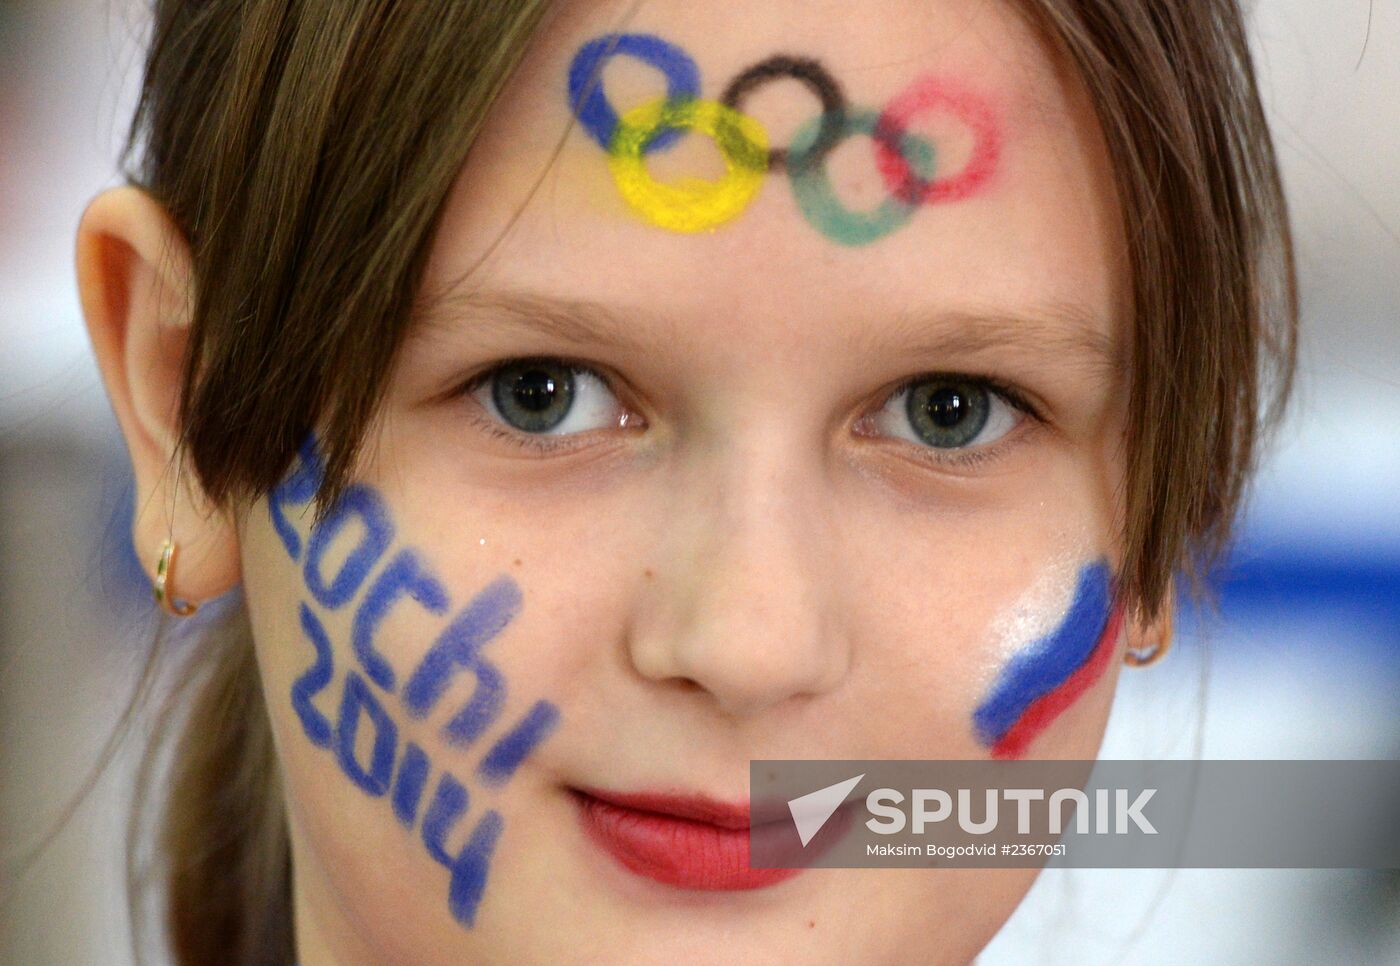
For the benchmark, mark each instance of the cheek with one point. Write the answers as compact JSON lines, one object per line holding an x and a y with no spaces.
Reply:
{"x":976,"y":651}
{"x":934,"y":608}
{"x":391,"y":691}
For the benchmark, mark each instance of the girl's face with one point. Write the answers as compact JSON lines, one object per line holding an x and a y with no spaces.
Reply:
{"x":788,"y":462}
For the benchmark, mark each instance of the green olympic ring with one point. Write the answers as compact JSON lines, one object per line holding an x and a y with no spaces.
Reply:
{"x":812,"y":188}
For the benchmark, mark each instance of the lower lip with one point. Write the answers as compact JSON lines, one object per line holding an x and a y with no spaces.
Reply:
{"x":675,"y":851}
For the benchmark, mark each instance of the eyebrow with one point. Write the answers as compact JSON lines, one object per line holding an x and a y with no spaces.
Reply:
{"x":569,"y":320}
{"x":1062,"y":332}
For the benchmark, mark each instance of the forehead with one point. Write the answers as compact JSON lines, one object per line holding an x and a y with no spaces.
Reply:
{"x":969,"y":175}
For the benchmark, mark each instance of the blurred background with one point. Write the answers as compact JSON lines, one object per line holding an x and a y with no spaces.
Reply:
{"x":1302,"y":662}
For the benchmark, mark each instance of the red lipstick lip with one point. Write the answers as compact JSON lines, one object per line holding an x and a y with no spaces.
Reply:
{"x":688,"y":841}
{"x":697,"y":808}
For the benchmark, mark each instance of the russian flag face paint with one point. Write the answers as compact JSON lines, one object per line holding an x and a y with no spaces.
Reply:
{"x":1045,"y":676}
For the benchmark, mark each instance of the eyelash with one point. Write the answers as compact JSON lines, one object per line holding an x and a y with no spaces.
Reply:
{"x":964,"y":458}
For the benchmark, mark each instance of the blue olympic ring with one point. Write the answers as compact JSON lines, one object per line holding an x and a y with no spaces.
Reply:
{"x":598,"y":116}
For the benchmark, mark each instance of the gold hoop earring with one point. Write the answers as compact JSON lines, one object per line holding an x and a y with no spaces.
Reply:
{"x":1153,"y":654}
{"x":161,"y":588}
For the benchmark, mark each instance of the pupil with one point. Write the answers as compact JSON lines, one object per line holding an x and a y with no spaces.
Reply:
{"x":534,"y":390}
{"x":946,"y":407}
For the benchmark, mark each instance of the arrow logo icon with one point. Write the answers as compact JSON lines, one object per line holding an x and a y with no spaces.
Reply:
{"x":811,"y":811}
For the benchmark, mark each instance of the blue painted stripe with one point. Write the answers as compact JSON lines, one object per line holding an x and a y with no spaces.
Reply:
{"x":1038,"y":669}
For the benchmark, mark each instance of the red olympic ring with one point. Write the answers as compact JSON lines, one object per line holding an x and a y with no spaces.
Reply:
{"x":931,"y":93}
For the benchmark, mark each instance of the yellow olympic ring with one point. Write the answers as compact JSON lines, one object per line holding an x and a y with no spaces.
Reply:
{"x":690,"y":204}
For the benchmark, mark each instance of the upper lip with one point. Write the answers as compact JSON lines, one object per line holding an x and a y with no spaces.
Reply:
{"x":693,"y":806}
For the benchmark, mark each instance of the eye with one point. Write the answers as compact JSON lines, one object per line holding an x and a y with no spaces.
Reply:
{"x":544,"y":397}
{"x":949,"y":412}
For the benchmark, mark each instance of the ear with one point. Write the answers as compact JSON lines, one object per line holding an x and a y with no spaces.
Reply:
{"x":136,"y":286}
{"x":1149,"y":640}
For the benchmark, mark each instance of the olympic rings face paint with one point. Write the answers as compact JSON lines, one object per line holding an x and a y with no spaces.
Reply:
{"x":815,"y":196}
{"x":590,"y":103}
{"x":814,"y":76}
{"x":906,"y":164}
{"x":691,"y":204}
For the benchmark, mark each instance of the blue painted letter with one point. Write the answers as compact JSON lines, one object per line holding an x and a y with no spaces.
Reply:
{"x":515,"y":745}
{"x":357,"y":501}
{"x":459,"y":647}
{"x":406,"y":576}
{"x":408,"y":786}
{"x":297,"y":489}
{"x":358,"y":697}
{"x":313,"y":681}
{"x":470,"y":866}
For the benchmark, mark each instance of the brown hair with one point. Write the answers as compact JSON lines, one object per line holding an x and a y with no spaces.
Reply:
{"x":306,"y":150}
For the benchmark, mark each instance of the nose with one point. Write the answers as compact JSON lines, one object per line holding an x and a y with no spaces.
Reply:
{"x":742,"y":605}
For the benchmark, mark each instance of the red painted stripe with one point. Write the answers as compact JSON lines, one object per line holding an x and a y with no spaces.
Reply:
{"x":1048,"y":707}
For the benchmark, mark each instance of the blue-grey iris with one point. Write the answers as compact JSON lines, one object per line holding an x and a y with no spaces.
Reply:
{"x":533,"y":395}
{"x":948,"y":413}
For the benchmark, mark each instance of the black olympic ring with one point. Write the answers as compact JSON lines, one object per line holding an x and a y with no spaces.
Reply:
{"x":817,"y":79}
